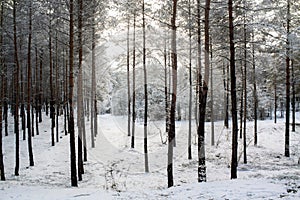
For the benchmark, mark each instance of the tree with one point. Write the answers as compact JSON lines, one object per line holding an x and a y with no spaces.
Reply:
{"x":93,"y":86}
{"x":16,"y":91}
{"x":2,"y":173}
{"x":203,"y":89}
{"x":80,"y":118}
{"x":288,"y":84}
{"x":133,"y":83}
{"x":128,"y":79}
{"x":71,"y":85}
{"x":31,"y":162}
{"x":190,"y":87}
{"x":146,"y":94}
{"x":234,"y":161}
{"x":171,"y":133}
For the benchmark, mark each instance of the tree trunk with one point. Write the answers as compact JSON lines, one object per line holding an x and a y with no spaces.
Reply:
{"x":245,"y":88}
{"x":203,"y":89}
{"x":2,"y":172}
{"x":71,"y":85}
{"x":16,"y":90}
{"x":52,"y":102}
{"x":31,"y":162}
{"x":288,"y":84}
{"x":190,"y":87}
{"x":133,"y":84}
{"x":171,"y":133}
{"x":255,"y":92}
{"x":146,"y":94}
{"x":93,"y":95}
{"x":57,"y":89}
{"x":36,"y":93}
{"x":212,"y":117}
{"x":234,"y":160}
{"x":80,"y":118}
{"x":128,"y":80}
{"x":293,"y":98}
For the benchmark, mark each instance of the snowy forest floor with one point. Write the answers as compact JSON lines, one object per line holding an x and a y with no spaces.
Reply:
{"x":115,"y":171}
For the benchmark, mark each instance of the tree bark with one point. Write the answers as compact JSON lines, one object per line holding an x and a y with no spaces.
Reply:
{"x":128,"y":79}
{"x":29,"y":139}
{"x":133,"y":84}
{"x":190,"y":87}
{"x":234,"y":160}
{"x":146,"y":94}
{"x":16,"y":91}
{"x":288,"y":84}
{"x":80,"y":118}
{"x":171,"y":133}
{"x":2,"y":172}
{"x":71,"y":85}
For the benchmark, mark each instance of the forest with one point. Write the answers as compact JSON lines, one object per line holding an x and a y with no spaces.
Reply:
{"x":173,"y":97}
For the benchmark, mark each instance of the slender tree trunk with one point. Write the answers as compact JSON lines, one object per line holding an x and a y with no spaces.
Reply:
{"x":5,"y":80}
{"x":80,"y":114}
{"x":146,"y":95}
{"x":41,"y":88}
{"x":133,"y":84}
{"x":190,"y":87}
{"x":31,"y":162}
{"x":226,"y":91}
{"x":255,"y":92}
{"x":36,"y":93}
{"x":171,"y":133}
{"x":128,"y":80}
{"x":234,"y":159}
{"x":245,"y":90}
{"x":288,"y":84}
{"x":293,"y":98}
{"x":16,"y":91}
{"x":52,"y":102}
{"x":71,"y":85}
{"x":212,"y":117}
{"x":242,"y":102}
{"x":2,"y":172}
{"x":23,"y":116}
{"x":93,"y":95}
{"x":57,"y":89}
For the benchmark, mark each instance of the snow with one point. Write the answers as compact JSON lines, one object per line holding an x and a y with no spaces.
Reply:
{"x":115,"y":171}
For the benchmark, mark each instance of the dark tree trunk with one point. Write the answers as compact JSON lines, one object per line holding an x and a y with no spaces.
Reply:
{"x":36,"y":94}
{"x":80,"y":113}
{"x":31,"y":162}
{"x":293,"y":98}
{"x":190,"y":87}
{"x":255,"y":92}
{"x":71,"y":86}
{"x":234,"y":159}
{"x":2,"y":172}
{"x":245,"y":89}
{"x":16,"y":91}
{"x":40,"y":87}
{"x":57,"y":89}
{"x":93,"y":95}
{"x":128,"y":80}
{"x":133,"y":84}
{"x":171,"y":133}
{"x":146,"y":94}
{"x":203,"y":89}
{"x":288,"y":85}
{"x":226,"y":91}
{"x":52,"y":102}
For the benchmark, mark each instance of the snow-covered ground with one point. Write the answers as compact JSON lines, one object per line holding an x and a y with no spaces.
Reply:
{"x":115,"y":171}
